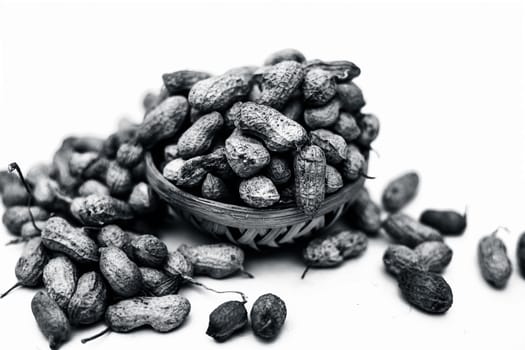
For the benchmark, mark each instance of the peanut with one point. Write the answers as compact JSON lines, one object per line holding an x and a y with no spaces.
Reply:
{"x":284,"y":55}
{"x":279,"y":133}
{"x":258,"y":192}
{"x":93,"y":187}
{"x":310,"y":174}
{"x":14,"y":194}
{"x":279,"y":170}
{"x":351,"y":97}
{"x":279,"y":82}
{"x":407,"y":231}
{"x":218,"y":93}
{"x":163,"y":314}
{"x":59,"y":236}
{"x":89,"y":301}
{"x":448,"y":222}
{"x":400,"y":191}
{"x":333,"y":145}
{"x":51,"y":320}
{"x":365,"y":214}
{"x":15,"y":217}
{"x":398,"y":258}
{"x":333,"y":180}
{"x":433,"y":256}
{"x":122,"y":274}
{"x":180,"y":82}
{"x":245,"y":155}
{"x":100,"y":210}
{"x":341,"y":71}
{"x":267,"y":316}
{"x":214,"y":260}
{"x":148,"y":250}
{"x":163,"y":121}
{"x":332,"y":248}
{"x":324,"y":116}
{"x":118,"y":179}
{"x":353,"y":164}
{"x":177,"y":264}
{"x":227,"y":319}
{"x":60,"y":280}
{"x":142,"y":199}
{"x":369,"y":126}
{"x":318,"y":87}
{"x":112,"y":235}
{"x":215,"y":189}
{"x":197,"y":139}
{"x":347,"y":127}
{"x":157,"y":283}
{"x":129,"y":154}
{"x":495,"y":265}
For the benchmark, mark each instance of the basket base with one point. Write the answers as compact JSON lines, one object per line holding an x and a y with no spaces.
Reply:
{"x":259,"y":238}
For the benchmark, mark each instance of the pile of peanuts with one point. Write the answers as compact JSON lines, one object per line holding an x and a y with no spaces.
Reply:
{"x":288,"y":132}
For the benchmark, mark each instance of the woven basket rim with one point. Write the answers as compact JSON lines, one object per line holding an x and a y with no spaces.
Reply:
{"x":237,"y":215}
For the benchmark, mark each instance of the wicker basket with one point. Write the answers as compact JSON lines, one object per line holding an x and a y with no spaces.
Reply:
{"x":256,"y":228}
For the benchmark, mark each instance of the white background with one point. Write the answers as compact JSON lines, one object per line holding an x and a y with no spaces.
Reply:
{"x":446,"y":80}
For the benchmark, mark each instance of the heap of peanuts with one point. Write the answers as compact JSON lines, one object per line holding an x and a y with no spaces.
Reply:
{"x":291,"y":131}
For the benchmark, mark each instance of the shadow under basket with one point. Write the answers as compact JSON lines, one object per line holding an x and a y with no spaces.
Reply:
{"x":251,"y":227}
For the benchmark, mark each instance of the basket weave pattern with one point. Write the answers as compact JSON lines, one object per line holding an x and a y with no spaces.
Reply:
{"x":255,"y":228}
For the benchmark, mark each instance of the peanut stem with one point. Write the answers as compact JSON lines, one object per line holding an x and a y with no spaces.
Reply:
{"x":197,"y":283}
{"x":246,"y":273}
{"x":366,"y":176}
{"x":18,"y":284}
{"x":305,"y":272}
{"x":93,"y":337}
{"x":14,"y":167}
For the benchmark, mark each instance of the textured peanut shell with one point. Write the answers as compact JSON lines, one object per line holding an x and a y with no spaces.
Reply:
{"x":399,"y":257}
{"x":333,"y":180}
{"x":197,"y":139}
{"x":433,"y":256}
{"x":191,"y":173}
{"x":426,"y":291}
{"x":324,"y":116}
{"x":347,"y":127}
{"x":258,"y":192}
{"x":318,"y":87}
{"x":163,"y":314}
{"x":341,"y":71}
{"x":129,"y":154}
{"x":227,"y":319}
{"x":90,"y":187}
{"x":288,"y":54}
{"x":245,"y":155}
{"x":14,"y":194}
{"x":182,"y":81}
{"x":351,"y":97}
{"x":177,"y":264}
{"x":310,"y":174}
{"x":400,"y":191}
{"x":118,"y":179}
{"x":494,"y":263}
{"x":369,"y":126}
{"x":149,"y":250}
{"x":60,"y":280}
{"x":171,"y":170}
{"x":353,"y":164}
{"x":142,"y":199}
{"x":59,"y":236}
{"x":100,"y":210}
{"x":279,"y":83}
{"x":216,"y":163}
{"x":407,"y":231}
{"x":89,"y":301}
{"x":218,"y":93}
{"x":214,"y":260}
{"x":122,"y":274}
{"x":365,"y":214}
{"x":163,"y":121}
{"x":279,"y":133}
{"x":267,"y":316}
{"x":279,"y":170}
{"x":112,"y":235}
{"x":15,"y":217}
{"x":232,"y":114}
{"x":51,"y":320}
{"x":30,"y":265}
{"x":214,"y":188}
{"x":332,"y":248}
{"x":157,"y":283}
{"x":333,"y":145}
